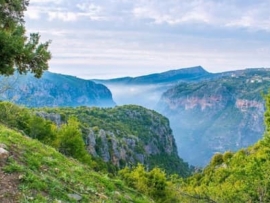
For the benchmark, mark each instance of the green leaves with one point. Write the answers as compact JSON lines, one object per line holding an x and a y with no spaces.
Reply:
{"x":17,"y":52}
{"x":153,"y":183}
{"x":70,"y":141}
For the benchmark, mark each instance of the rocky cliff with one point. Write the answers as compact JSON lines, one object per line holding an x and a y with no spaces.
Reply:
{"x":126,"y":135}
{"x":54,"y":90}
{"x":220,"y":114}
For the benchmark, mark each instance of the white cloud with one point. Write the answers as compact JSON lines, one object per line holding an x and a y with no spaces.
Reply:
{"x":216,"y":13}
{"x":172,"y":12}
{"x":64,"y":16}
{"x":221,"y":13}
{"x":46,"y":1}
{"x":33,"y":13}
{"x":147,"y":35}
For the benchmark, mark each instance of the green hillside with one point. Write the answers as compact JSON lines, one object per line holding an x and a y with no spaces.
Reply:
{"x":125,"y":135}
{"x":35,"y":172}
{"x":243,"y":176}
{"x":38,"y":173}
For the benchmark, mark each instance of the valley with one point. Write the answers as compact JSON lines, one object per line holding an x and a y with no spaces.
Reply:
{"x":157,"y":135}
{"x":208,"y":113}
{"x":214,"y":123}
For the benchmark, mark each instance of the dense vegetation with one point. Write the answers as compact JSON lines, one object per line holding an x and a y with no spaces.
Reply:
{"x":129,"y":122}
{"x":18,"y":52}
{"x":242,"y":176}
{"x":55,"y":165}
{"x":41,"y":174}
{"x":121,"y":124}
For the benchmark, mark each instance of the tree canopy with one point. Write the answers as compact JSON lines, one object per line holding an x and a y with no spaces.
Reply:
{"x":17,"y":51}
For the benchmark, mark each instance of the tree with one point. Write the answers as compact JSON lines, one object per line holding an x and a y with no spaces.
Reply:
{"x":18,"y":52}
{"x":71,"y":142}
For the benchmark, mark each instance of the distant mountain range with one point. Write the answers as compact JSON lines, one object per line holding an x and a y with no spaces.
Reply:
{"x":54,"y":90}
{"x":208,"y":112}
{"x":172,"y":76}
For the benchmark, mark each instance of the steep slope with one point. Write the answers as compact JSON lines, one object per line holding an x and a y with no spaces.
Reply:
{"x":217,"y":115}
{"x":242,"y":176}
{"x":232,"y":177}
{"x":33,"y":172}
{"x":54,"y":90}
{"x":125,"y":135}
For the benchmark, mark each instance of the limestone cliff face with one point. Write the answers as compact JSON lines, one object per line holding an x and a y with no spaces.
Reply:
{"x":126,"y":135}
{"x":130,"y":149}
{"x":106,"y":146}
{"x":145,"y":135}
{"x":55,"y":90}
{"x":216,"y":115}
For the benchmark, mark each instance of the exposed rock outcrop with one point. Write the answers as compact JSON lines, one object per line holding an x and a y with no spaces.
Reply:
{"x":126,"y":135}
{"x":4,"y":154}
{"x":221,"y":114}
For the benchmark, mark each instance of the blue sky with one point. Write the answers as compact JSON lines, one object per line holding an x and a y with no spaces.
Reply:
{"x":113,"y":38}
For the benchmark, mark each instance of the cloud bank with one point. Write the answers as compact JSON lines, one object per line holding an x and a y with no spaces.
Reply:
{"x":113,"y":38}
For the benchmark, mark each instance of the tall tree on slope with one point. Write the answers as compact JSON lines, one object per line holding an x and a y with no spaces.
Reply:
{"x":18,"y":52}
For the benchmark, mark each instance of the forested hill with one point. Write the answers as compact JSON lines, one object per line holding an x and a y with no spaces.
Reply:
{"x":125,"y":136}
{"x":54,"y":90}
{"x":37,"y":172}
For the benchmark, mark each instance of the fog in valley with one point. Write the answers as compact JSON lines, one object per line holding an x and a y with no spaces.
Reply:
{"x":147,"y":96}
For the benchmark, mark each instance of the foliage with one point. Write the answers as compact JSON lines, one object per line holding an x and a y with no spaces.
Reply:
{"x":71,"y":142}
{"x":129,"y":122}
{"x":242,"y":176}
{"x":152,"y":183}
{"x":67,"y":138}
{"x":45,"y":175}
{"x":16,"y":50}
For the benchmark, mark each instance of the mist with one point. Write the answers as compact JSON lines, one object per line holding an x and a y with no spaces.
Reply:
{"x":147,"y":96}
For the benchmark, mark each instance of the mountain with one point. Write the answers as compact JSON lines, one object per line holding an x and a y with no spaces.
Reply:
{"x":54,"y":90}
{"x":100,"y":141}
{"x":208,"y":113}
{"x":125,"y":136}
{"x":147,"y":90}
{"x":184,"y":74}
{"x":217,"y":115}
{"x":241,"y":176}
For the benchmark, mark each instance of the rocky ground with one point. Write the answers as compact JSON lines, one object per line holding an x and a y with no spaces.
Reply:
{"x":8,"y":182}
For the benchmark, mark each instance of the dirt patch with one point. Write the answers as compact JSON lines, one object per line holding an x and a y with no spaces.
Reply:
{"x":8,"y":187}
{"x":9,"y":192}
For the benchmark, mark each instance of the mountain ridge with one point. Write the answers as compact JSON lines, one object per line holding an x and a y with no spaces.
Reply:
{"x":218,"y":94}
{"x":55,"y":90}
{"x":190,"y":73}
{"x":226,"y":113}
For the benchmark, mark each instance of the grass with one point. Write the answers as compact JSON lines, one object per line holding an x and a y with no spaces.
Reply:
{"x":45,"y":175}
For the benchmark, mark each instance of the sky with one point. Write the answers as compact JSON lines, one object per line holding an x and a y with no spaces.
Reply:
{"x":115,"y":38}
